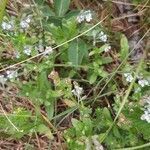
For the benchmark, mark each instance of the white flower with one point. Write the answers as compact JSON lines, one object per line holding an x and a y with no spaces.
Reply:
{"x":48,"y":50}
{"x":28,"y":19}
{"x":25,"y":22}
{"x":40,"y":48}
{"x":2,"y":79}
{"x":11,"y":74}
{"x":102,"y":36}
{"x":77,"y":91}
{"x":4,"y":25}
{"x":146,"y":115}
{"x":99,"y":36}
{"x":143,"y":82}
{"x":80,"y":18}
{"x":128,"y":77}
{"x":8,"y":25}
{"x":27,"y":50}
{"x":84,"y":16}
{"x":107,"y":49}
{"x":88,"y":16}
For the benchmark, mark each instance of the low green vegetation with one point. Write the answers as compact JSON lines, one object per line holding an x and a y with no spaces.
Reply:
{"x":66,"y":76}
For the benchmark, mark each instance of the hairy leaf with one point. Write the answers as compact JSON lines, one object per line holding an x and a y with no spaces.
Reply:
{"x":61,"y":7}
{"x":77,"y":50}
{"x":124,"y":47}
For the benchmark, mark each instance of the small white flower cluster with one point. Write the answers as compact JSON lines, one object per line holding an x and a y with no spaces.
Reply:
{"x":24,"y":24}
{"x":40,"y":47}
{"x":27,"y":50}
{"x":102,"y":36}
{"x":10,"y":75}
{"x":128,"y":77}
{"x":146,"y":115}
{"x":9,"y":26}
{"x":77,"y":91}
{"x":48,"y":50}
{"x":84,"y":16}
{"x":107,"y":49}
{"x":143,"y":82}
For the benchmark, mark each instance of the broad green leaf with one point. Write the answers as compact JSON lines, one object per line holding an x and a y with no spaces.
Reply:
{"x":2,"y":8}
{"x":73,"y":52}
{"x":77,"y":50}
{"x":124,"y":46}
{"x":61,"y":7}
{"x":83,"y":50}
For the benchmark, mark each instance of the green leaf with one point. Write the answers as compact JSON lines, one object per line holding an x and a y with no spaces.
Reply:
{"x":49,"y":106}
{"x":47,"y":12}
{"x":75,"y":122}
{"x":45,"y":130}
{"x":93,"y":78}
{"x":107,"y":114}
{"x":61,"y":7}
{"x":71,"y":14}
{"x":2,"y":8}
{"x":96,"y":50}
{"x":73,"y":53}
{"x":124,"y":46}
{"x":77,"y":50}
{"x":141,"y":126}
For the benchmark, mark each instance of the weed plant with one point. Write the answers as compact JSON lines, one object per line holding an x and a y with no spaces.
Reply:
{"x":66,"y":79}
